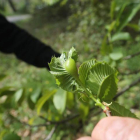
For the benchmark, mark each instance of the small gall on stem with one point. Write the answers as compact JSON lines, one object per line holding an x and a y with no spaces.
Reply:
{"x":107,"y":110}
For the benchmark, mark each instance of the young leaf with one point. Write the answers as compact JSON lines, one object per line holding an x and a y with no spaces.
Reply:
{"x":108,"y":88}
{"x":64,"y":79}
{"x":118,"y":110}
{"x":100,"y":80}
{"x":73,"y":54}
{"x":59,"y":100}
{"x":84,"y":69}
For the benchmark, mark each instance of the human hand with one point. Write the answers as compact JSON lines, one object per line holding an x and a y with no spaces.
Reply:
{"x":116,"y":128}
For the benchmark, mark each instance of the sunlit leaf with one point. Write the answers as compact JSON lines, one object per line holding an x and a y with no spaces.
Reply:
{"x":18,"y":95}
{"x":35,"y":94}
{"x":50,"y":2}
{"x":73,"y":54}
{"x":101,"y":80}
{"x":43,"y":99}
{"x":84,"y":69}
{"x":118,"y":110}
{"x":63,"y":78}
{"x":116,"y":55}
{"x":108,"y":88}
{"x":121,"y":36}
{"x":59,"y":100}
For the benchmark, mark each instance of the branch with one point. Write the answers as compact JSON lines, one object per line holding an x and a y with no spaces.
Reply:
{"x":127,"y":88}
{"x":133,"y":72}
{"x":12,"y":5}
{"x":130,"y":56}
{"x":51,"y":133}
{"x":24,"y":123}
{"x":38,"y":125}
{"x":63,"y":121}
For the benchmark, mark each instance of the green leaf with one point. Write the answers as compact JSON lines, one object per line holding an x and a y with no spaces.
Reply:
{"x":116,"y":55}
{"x":6,"y":91}
{"x":35,"y":94}
{"x":105,"y":47}
{"x":84,"y":69}
{"x":134,"y":26}
{"x":50,"y":2}
{"x":43,"y":99}
{"x":11,"y":136}
{"x":132,"y":12}
{"x":101,"y":80}
{"x":2,"y":76}
{"x":70,"y":100}
{"x":73,"y":54}
{"x":18,"y":95}
{"x":118,"y":110}
{"x":83,"y":110}
{"x":63,"y":78}
{"x":112,"y":9}
{"x":59,"y":100}
{"x":2,"y":133}
{"x":121,"y":9}
{"x":111,"y":26}
{"x":121,"y":36}
{"x":31,"y":104}
{"x":108,"y":88}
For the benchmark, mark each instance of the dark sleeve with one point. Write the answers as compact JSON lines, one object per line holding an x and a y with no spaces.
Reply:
{"x":23,"y":45}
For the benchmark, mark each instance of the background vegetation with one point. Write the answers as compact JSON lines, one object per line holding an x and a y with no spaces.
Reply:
{"x":32,"y":107}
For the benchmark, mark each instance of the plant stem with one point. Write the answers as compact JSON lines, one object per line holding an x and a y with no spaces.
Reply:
{"x":97,"y":101}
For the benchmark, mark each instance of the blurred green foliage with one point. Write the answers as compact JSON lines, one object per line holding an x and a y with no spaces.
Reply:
{"x":105,"y":30}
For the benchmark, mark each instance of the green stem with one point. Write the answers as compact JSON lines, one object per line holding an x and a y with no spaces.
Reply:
{"x":97,"y":101}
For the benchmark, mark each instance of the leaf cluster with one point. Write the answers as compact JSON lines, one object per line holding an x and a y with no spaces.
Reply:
{"x":96,"y":79}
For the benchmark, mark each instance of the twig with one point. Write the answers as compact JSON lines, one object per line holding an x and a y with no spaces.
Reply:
{"x":51,"y":133}
{"x":130,"y":56}
{"x":38,"y":125}
{"x":61,"y":122}
{"x":127,"y":88}
{"x":133,"y":72}
{"x":24,"y":123}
